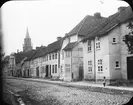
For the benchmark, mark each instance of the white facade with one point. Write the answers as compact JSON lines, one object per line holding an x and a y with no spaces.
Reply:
{"x":65,"y":62}
{"x":51,"y":60}
{"x":110,"y":59}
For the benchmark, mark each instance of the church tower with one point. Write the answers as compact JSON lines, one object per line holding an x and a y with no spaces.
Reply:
{"x":27,"y":43}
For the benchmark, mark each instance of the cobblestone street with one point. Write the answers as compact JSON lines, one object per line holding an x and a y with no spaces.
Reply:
{"x":36,"y":93}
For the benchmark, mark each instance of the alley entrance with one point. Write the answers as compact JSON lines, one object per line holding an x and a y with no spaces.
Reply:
{"x":130,"y":67}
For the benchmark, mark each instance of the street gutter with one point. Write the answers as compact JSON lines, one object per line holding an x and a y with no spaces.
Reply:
{"x":16,"y":98}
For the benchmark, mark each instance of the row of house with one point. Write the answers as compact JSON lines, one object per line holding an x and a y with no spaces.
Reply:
{"x":94,"y":48}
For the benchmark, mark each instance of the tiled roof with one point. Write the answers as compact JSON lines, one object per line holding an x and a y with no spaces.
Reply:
{"x":39,"y":52}
{"x":111,"y":22}
{"x":86,"y":25}
{"x":21,"y":55}
{"x":42,"y":51}
{"x":55,"y":46}
{"x":69,"y":46}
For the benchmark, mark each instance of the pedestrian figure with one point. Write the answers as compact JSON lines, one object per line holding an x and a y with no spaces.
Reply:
{"x":104,"y":81}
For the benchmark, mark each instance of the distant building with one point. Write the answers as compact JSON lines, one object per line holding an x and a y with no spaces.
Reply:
{"x":27,"y":43}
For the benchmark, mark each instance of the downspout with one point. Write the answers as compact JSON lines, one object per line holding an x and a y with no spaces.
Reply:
{"x":59,"y":69}
{"x":94,"y":62}
{"x":71,"y":66}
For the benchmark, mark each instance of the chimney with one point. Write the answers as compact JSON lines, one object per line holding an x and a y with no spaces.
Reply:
{"x":58,"y":38}
{"x":97,"y":15}
{"x":66,"y":34}
{"x":120,"y":9}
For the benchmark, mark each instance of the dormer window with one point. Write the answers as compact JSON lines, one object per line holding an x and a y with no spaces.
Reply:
{"x":55,"y":55}
{"x":69,"y":40}
{"x":89,"y":46}
{"x":49,"y":56}
{"x":97,"y":43}
{"x":67,"y":53}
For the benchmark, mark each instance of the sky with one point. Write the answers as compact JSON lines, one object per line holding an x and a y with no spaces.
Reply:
{"x":47,"y":19}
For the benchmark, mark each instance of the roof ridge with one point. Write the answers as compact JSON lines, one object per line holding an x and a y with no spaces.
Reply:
{"x":105,"y":22}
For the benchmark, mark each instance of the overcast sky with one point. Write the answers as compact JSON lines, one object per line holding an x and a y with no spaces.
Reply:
{"x":47,"y":19}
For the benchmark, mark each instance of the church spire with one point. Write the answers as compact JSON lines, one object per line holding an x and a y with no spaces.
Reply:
{"x":27,"y":42}
{"x":27,"y":33}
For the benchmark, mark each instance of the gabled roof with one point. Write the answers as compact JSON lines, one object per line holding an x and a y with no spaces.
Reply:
{"x":86,"y":25}
{"x":69,"y":46}
{"x":111,"y":22}
{"x":21,"y":55}
{"x":55,"y":46}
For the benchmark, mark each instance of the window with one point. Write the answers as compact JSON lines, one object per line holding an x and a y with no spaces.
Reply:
{"x":49,"y":56}
{"x":43,"y":70}
{"x":89,"y":46}
{"x":114,"y":40}
{"x":100,"y":66}
{"x":89,"y":62}
{"x":80,"y":49}
{"x":123,"y":38}
{"x":67,"y":67}
{"x":55,"y":68}
{"x":100,"y":62}
{"x":55,"y":55}
{"x":90,"y":66}
{"x":67,"y":53}
{"x":45,"y":59}
{"x":89,"y":69}
{"x":97,"y":44}
{"x":69,"y":40}
{"x":117,"y":64}
{"x":61,"y":69}
{"x":42,"y":59}
{"x":32,"y":62}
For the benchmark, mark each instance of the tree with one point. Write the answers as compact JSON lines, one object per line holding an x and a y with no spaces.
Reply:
{"x":128,"y":38}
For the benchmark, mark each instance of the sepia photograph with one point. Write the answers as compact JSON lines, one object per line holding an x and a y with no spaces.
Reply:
{"x":67,"y":52}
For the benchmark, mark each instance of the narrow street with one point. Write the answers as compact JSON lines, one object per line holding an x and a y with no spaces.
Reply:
{"x":37,"y":93}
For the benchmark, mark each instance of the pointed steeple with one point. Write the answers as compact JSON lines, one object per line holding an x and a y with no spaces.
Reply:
{"x":27,"y":42}
{"x":27,"y":33}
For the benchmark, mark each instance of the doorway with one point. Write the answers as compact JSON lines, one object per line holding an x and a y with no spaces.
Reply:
{"x":28,"y":72}
{"x":81,"y":73}
{"x":46,"y":71}
{"x":130,"y":67}
{"x":37,"y":71}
